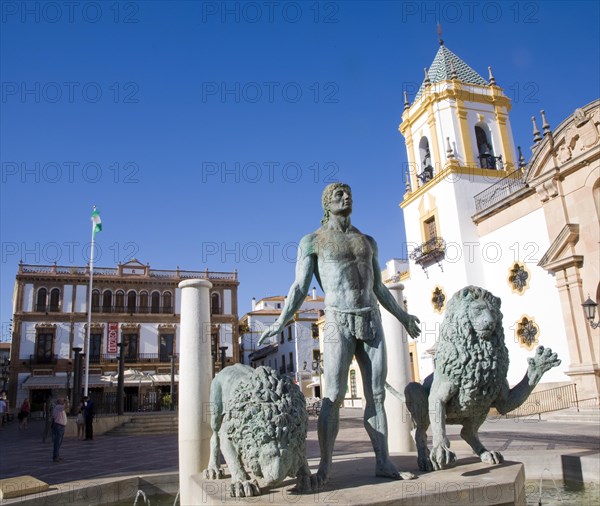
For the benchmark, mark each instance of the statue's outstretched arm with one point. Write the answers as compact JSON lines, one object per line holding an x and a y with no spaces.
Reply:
{"x":386,"y":299}
{"x":305,"y":268}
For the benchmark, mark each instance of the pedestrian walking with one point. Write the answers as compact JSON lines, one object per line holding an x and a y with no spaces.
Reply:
{"x":81,"y":422}
{"x":23,"y":415}
{"x":59,"y":423}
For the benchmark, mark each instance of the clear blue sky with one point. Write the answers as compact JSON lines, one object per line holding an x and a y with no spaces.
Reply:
{"x":145,"y":108}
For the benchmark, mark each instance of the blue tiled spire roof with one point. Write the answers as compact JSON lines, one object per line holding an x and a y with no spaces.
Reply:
{"x":441,"y":70}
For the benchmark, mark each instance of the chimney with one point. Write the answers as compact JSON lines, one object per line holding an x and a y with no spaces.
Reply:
{"x":314,"y":293}
{"x":253,"y":303}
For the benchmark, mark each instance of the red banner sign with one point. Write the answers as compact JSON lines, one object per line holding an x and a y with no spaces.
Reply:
{"x":113,"y":338}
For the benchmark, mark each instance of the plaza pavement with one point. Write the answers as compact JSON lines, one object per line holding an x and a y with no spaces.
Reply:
{"x":24,"y":453}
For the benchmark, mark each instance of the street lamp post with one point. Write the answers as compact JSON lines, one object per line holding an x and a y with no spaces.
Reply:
{"x":120,"y":380}
{"x":76,"y":377}
{"x":589,"y":307}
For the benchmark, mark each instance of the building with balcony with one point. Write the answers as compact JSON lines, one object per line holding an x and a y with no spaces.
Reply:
{"x":476,"y":213}
{"x":295,"y":350}
{"x":132,"y":304}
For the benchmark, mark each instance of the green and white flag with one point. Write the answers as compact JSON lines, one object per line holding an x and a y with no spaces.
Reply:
{"x":96,"y":221}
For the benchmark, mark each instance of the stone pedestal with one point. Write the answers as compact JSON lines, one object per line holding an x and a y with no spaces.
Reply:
{"x":353,"y":483}
{"x":398,"y":376}
{"x":195,"y":376}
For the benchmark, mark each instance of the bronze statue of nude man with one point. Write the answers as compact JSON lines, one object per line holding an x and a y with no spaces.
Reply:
{"x":345,"y":264}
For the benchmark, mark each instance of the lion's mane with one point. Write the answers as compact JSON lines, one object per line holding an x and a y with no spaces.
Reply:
{"x":477,"y":365}
{"x":265,"y":408}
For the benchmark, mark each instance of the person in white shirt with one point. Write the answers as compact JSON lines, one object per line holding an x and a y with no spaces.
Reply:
{"x":59,"y":419}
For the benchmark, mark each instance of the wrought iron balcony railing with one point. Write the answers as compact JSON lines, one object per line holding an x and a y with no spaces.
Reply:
{"x":431,"y":251}
{"x":499,"y":191}
{"x":42,"y":359}
{"x":487,"y":161}
{"x":141,"y":358}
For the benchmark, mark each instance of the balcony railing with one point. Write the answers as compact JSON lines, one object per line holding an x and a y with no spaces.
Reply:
{"x":42,"y":359}
{"x":429,"y":252}
{"x":141,"y":358}
{"x":133,"y":310}
{"x":512,"y":183}
{"x":487,"y":161}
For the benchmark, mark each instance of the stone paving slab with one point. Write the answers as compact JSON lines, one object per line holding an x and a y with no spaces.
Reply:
{"x":23,"y":453}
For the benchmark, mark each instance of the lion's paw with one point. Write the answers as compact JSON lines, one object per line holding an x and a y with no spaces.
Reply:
{"x":442,"y":458}
{"x":491,"y":457}
{"x":543,"y":360}
{"x":244,"y":488}
{"x":213,"y":473}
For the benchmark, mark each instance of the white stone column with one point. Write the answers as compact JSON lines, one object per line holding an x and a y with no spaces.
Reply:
{"x":195,"y":375}
{"x":398,"y":376}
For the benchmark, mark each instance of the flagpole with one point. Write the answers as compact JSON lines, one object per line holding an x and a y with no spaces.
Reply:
{"x":89,"y":319}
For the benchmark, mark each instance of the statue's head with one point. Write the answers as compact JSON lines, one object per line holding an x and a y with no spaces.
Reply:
{"x":326,"y":198}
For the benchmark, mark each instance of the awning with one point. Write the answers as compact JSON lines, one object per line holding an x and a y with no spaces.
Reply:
{"x":55,"y":382}
{"x":164,"y":379}
{"x":314,"y":384}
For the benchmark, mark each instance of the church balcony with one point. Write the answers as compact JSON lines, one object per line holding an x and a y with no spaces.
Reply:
{"x":140,"y":358}
{"x":430,"y":252}
{"x":45,"y":359}
{"x":499,"y":191}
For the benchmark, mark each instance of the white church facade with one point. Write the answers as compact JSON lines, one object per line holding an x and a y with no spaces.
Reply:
{"x":477,"y":214}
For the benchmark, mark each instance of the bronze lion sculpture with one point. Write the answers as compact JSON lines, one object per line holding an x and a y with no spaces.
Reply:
{"x":259,"y":420}
{"x":469,"y":378}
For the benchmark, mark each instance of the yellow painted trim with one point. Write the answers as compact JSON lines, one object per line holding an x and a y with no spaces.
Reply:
{"x":455,"y":92}
{"x":502,"y":118}
{"x":465,"y":134}
{"x":412,"y":349}
{"x":450,"y":169}
{"x":424,"y":216}
{"x":412,"y":165}
{"x":431,"y":123}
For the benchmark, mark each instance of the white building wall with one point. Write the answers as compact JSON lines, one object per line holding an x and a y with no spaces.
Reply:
{"x":226,"y":338}
{"x":28,"y":298}
{"x":540,"y":300}
{"x":67,"y":298}
{"x":27,"y":340}
{"x":226,"y":301}
{"x":178,"y":301}
{"x":148,"y":338}
{"x":62,"y":345}
{"x":80,"y":299}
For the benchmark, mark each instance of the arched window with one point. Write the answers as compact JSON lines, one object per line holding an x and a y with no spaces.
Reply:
{"x":215,"y":304}
{"x":40,"y":304}
{"x":120,"y":302}
{"x":155,"y":301}
{"x":487,"y":160}
{"x":54,"y":299}
{"x":131,"y":301}
{"x":95,"y":301}
{"x":107,"y":301}
{"x":167,"y":303}
{"x":426,"y":161}
{"x":143,"y":302}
